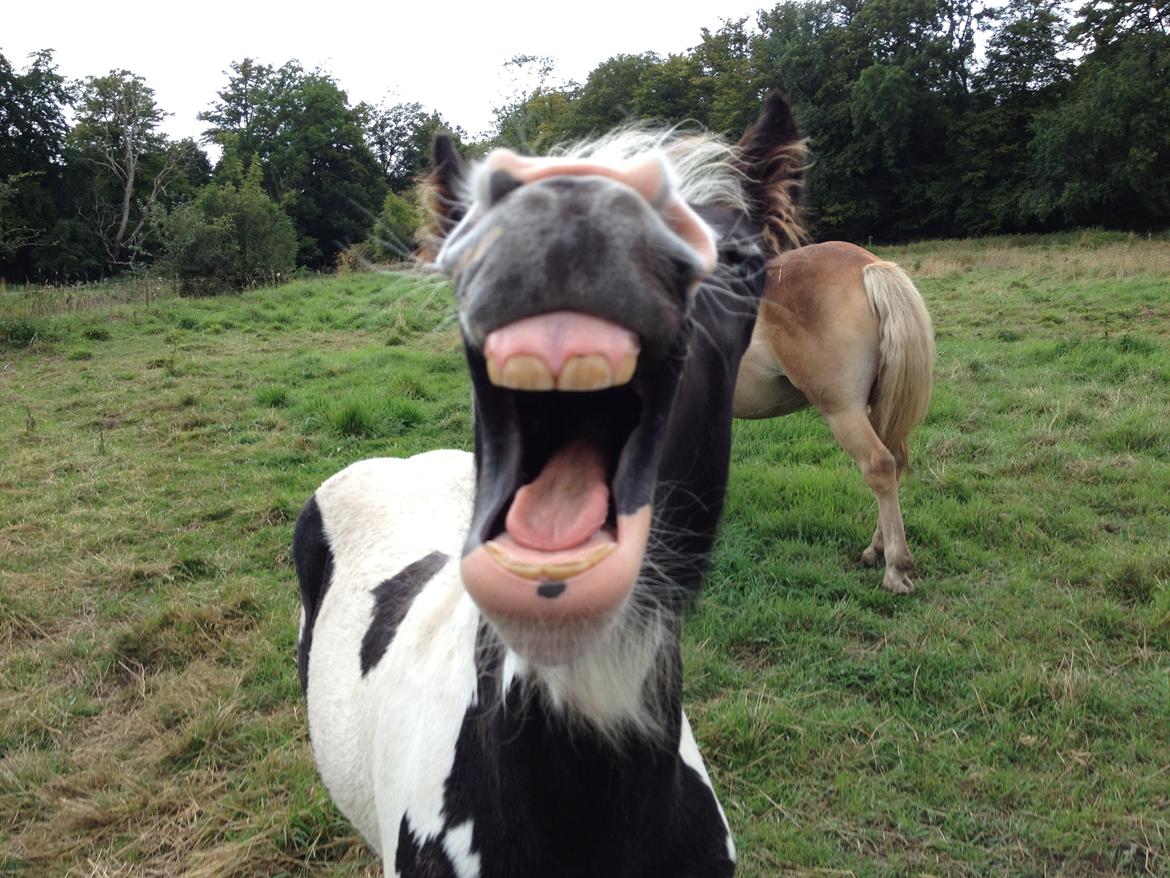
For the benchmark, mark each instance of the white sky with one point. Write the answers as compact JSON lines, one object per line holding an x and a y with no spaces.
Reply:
{"x":448,"y":56}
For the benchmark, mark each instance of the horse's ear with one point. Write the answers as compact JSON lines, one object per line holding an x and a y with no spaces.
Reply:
{"x":773,"y":156}
{"x":446,"y":186}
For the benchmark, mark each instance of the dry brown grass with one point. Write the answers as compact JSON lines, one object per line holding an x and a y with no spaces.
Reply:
{"x":37,"y":300}
{"x":1129,"y":258}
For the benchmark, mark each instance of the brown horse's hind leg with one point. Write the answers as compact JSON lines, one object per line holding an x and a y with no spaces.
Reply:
{"x":853,"y":430}
{"x":876,"y":550}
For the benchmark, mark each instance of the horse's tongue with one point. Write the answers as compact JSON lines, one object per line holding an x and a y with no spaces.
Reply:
{"x":565,"y":505}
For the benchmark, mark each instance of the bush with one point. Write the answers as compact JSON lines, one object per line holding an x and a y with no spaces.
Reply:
{"x":392,"y":239}
{"x":229,"y":238}
{"x":353,"y":259}
{"x":20,"y":333}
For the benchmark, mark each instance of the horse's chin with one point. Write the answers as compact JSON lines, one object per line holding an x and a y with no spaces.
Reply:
{"x":556,"y":620}
{"x":553,"y":645}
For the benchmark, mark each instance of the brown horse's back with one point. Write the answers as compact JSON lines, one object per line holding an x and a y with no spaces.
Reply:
{"x":816,"y":330}
{"x":810,"y":283}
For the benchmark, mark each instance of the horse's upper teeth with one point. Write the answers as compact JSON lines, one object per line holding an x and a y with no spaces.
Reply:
{"x":580,"y":373}
{"x":524,"y":372}
{"x":625,"y":370}
{"x":590,"y":372}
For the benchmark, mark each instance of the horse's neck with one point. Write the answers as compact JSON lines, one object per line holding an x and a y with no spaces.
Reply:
{"x":562,"y":793}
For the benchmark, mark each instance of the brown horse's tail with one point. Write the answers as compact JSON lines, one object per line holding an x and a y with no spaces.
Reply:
{"x":906,"y":356}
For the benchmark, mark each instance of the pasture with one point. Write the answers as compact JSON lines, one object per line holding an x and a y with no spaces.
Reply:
{"x":1012,"y":717}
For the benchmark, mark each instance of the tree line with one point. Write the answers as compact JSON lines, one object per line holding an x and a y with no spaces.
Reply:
{"x":301,"y":175}
{"x":926,"y":118}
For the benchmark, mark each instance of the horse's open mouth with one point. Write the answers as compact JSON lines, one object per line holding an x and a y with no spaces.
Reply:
{"x":570,"y":516}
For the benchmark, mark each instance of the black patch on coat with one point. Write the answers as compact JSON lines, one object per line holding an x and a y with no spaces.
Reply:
{"x":314,"y":564}
{"x":391,"y":601}
{"x":550,"y":799}
{"x":427,"y":860}
{"x":550,"y":589}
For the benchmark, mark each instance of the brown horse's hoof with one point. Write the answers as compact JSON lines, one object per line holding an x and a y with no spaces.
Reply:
{"x":898,"y":581}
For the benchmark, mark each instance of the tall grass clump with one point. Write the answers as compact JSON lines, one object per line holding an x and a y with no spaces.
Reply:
{"x":274,"y":397}
{"x":367,"y":415}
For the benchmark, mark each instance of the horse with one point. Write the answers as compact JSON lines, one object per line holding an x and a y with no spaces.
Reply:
{"x":848,"y":333}
{"x":489,"y":642}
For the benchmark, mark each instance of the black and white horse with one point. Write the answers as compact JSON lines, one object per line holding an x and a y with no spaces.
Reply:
{"x":490,"y":644}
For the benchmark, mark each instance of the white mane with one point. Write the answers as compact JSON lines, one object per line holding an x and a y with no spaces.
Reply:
{"x":700,"y":164}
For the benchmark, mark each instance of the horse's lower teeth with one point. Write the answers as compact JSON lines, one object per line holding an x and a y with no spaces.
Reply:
{"x":553,"y":570}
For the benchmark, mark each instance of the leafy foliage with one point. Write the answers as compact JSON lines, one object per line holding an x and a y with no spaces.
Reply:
{"x":1061,"y":120}
{"x":1105,"y":150}
{"x":393,"y":237}
{"x":310,"y":145}
{"x":131,"y":163}
{"x":914,"y":134}
{"x":229,"y":238}
{"x":400,"y":139}
{"x":32,"y":143}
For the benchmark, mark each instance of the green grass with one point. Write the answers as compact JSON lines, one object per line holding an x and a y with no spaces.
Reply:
{"x":1012,"y":718}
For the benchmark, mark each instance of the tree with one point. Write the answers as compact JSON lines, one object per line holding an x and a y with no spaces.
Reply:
{"x":14,"y":233}
{"x":608,"y":97}
{"x":1104,"y":22}
{"x":32,"y":115}
{"x":311,"y":148}
{"x":229,"y":237}
{"x":726,"y":81}
{"x":394,"y":235}
{"x":400,"y":139}
{"x":117,"y":134}
{"x":237,"y":120}
{"x":32,"y":143}
{"x":668,"y":92}
{"x":1102,"y":155}
{"x":880,"y":87}
{"x":1024,"y":52}
{"x":1025,"y":73}
{"x":536,"y":114}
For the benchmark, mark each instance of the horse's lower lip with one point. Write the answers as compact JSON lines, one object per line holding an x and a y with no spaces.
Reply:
{"x":596,"y":590}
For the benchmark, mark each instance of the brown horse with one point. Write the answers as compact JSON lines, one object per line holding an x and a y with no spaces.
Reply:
{"x":848,"y":333}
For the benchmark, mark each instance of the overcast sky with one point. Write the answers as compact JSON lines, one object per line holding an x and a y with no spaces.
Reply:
{"x":448,"y":56}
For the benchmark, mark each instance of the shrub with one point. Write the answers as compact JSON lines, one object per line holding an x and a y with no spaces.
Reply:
{"x":229,"y":238}
{"x":353,"y":259}
{"x":392,"y":238}
{"x":18,"y":333}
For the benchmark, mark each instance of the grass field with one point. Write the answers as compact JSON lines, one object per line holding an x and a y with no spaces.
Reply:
{"x":1012,"y":718}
